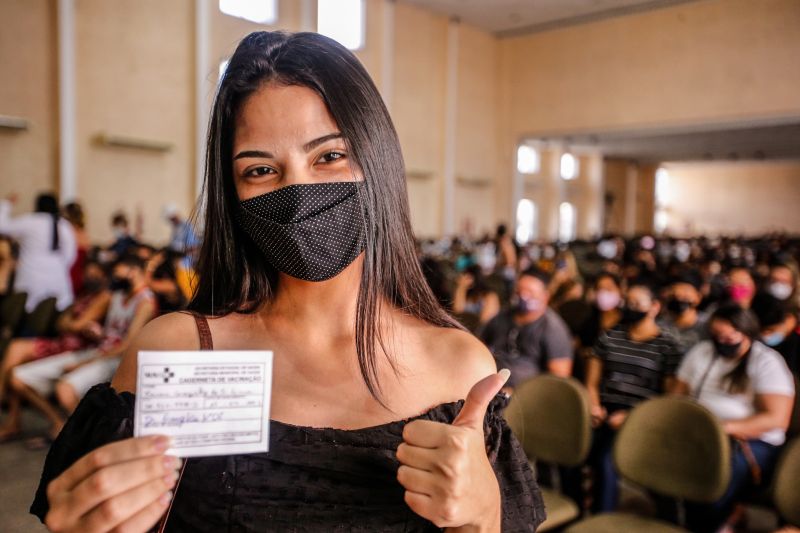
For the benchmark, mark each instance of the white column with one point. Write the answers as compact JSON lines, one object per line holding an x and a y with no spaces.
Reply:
{"x":631,"y":178}
{"x":202,"y":36}
{"x":67,"y":158}
{"x":554,"y":192}
{"x":387,"y":54}
{"x":450,"y":131}
{"x":308,"y":15}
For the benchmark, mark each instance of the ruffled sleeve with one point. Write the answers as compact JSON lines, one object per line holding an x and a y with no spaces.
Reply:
{"x":523,"y":507}
{"x":101,"y":417}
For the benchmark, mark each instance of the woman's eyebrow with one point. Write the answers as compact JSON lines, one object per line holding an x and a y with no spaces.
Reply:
{"x":253,"y":153}
{"x":310,"y":145}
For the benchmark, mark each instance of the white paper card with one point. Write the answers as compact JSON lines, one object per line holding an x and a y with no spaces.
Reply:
{"x":209,"y":402}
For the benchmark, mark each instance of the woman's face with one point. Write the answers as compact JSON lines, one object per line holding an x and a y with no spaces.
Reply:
{"x":284,"y":135}
{"x":723,"y":332}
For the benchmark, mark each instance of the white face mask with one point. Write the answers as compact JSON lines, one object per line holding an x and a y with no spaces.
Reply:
{"x":781,"y":291}
{"x":607,"y":300}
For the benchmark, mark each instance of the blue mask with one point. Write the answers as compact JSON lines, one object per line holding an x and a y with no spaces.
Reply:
{"x":774,"y":339}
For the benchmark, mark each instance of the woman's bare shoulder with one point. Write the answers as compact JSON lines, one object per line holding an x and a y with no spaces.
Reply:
{"x":173,"y":331}
{"x":459,"y":359}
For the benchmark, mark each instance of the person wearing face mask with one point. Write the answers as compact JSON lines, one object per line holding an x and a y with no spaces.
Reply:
{"x":530,"y":338}
{"x":631,"y":362}
{"x":122,"y":236}
{"x":71,"y":374}
{"x":385,"y":415}
{"x":748,"y":386}
{"x":741,"y":287}
{"x":76,"y":328}
{"x":682,"y":319}
{"x":779,"y":328}
{"x":782,"y":284}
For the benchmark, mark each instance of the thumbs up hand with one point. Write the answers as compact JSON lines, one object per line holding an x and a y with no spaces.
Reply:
{"x":444,"y":467}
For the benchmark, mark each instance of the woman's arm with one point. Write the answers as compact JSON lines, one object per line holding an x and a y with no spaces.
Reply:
{"x":491,"y":306}
{"x":773,"y":411}
{"x":678,"y":387}
{"x":94,"y":313}
{"x":10,"y":226}
{"x":594,"y":372}
{"x":460,"y":294}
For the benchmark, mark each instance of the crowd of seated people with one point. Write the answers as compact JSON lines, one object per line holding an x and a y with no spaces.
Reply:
{"x":712,"y":319}
{"x":115,"y":289}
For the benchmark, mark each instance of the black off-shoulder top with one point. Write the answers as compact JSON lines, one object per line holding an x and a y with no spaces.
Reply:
{"x":311,"y":479}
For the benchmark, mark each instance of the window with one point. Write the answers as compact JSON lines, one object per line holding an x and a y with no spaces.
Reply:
{"x":342,"y":20}
{"x":661,"y":217}
{"x":528,"y":160}
{"x":526,"y":221}
{"x":566,"y":222}
{"x":259,"y":11}
{"x":569,"y":166}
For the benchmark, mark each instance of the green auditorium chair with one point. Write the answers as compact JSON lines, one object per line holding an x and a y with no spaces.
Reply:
{"x":12,"y":309}
{"x":40,"y":321}
{"x":787,"y":486}
{"x":673,"y":447}
{"x":550,"y":417}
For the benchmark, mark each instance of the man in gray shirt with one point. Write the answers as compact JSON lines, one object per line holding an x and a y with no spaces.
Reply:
{"x":530,"y":338}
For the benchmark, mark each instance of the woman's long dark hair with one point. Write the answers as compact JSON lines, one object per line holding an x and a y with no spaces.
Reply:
{"x":233,"y":274}
{"x":47,"y":203}
{"x":745,"y":322}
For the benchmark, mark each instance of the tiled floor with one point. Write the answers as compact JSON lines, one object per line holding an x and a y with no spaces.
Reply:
{"x":19,"y":476}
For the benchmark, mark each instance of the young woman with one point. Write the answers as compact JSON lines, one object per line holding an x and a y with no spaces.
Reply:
{"x":308,"y":252}
{"x":749,"y":387}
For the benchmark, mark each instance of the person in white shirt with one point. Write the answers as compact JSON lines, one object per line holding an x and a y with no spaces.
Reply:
{"x":748,"y":386}
{"x":47,"y":249}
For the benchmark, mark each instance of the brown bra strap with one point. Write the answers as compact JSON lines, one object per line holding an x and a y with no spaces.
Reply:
{"x":206,"y":342}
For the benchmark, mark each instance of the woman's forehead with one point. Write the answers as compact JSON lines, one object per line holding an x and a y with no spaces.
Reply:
{"x":282,"y":115}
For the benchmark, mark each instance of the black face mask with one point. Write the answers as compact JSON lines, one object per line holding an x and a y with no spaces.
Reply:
{"x":120,"y":284}
{"x":92,"y":285}
{"x":631,"y":316}
{"x":310,"y":232}
{"x":678,"y":307}
{"x":727,"y":350}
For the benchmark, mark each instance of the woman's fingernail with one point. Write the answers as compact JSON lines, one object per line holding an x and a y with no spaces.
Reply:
{"x":171,"y":463}
{"x":161,"y":443}
{"x":171,"y":478}
{"x":165,"y":498}
{"x":505,"y":374}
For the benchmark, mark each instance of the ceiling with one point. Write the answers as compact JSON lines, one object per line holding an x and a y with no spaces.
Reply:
{"x":753,"y":142}
{"x":511,"y":17}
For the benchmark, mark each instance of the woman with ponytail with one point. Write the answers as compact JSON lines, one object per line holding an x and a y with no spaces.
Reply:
{"x":47,"y":250}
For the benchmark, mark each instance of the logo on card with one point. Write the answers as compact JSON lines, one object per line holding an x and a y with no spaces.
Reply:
{"x":167,"y":374}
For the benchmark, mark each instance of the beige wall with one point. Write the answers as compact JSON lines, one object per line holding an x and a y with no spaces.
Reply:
{"x":134,"y":79}
{"x":702,"y":62}
{"x":28,"y":159}
{"x":733,"y":198}
{"x":711,"y":60}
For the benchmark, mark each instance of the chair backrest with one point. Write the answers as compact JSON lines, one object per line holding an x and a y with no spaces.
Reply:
{"x":787,"y":487}
{"x":676,"y":448}
{"x":550,"y":417}
{"x":12,"y":309}
{"x":38,"y":322}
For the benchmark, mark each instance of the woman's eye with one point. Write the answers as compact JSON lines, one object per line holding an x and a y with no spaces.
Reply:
{"x":331,"y":157}
{"x":258,"y":171}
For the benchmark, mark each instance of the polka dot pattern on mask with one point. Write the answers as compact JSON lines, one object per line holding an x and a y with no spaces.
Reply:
{"x":310,"y":232}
